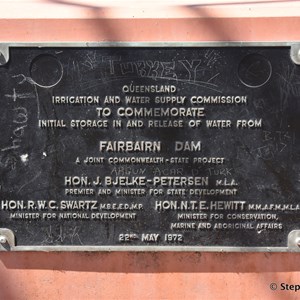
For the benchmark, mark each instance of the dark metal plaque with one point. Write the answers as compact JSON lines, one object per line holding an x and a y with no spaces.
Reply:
{"x":150,"y":148}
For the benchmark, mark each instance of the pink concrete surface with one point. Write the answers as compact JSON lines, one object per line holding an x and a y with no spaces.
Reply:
{"x":208,"y":276}
{"x":150,"y":30}
{"x":149,"y":20}
{"x":165,"y":275}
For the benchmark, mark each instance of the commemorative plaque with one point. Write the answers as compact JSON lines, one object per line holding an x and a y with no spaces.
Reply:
{"x":150,"y":148}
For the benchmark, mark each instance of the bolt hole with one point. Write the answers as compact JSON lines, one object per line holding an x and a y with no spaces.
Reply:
{"x":46,"y":70}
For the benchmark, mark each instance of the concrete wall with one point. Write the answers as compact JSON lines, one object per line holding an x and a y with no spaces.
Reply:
{"x":208,"y":276}
{"x":164,"y":275}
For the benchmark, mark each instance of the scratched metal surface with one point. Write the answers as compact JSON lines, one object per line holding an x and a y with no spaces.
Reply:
{"x":264,"y":161}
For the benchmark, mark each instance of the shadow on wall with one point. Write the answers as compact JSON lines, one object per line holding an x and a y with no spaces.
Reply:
{"x":113,"y":29}
{"x":104,"y":25}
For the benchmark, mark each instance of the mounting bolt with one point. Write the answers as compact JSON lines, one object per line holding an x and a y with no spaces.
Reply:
{"x":3,"y":239}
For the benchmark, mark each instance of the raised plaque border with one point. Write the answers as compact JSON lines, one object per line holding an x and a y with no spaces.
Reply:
{"x":7,"y":238}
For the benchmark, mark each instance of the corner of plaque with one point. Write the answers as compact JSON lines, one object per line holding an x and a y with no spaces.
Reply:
{"x":294,"y":241}
{"x":7,"y":239}
{"x":295,"y":53}
{"x":4,"y":54}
